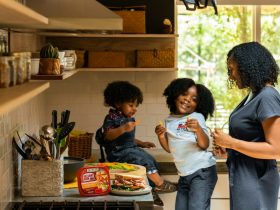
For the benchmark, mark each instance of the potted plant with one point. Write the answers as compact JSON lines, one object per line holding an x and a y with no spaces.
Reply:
{"x":49,"y":60}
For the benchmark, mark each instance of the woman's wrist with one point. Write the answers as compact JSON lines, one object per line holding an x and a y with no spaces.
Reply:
{"x":233,"y":143}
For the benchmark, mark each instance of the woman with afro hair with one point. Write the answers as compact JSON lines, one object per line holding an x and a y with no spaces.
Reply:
{"x":253,"y":143}
{"x":186,"y":137}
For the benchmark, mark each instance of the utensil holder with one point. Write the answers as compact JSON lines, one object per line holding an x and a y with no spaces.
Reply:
{"x":42,"y":178}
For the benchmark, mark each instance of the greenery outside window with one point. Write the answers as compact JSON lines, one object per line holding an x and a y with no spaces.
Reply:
{"x":205,"y":38}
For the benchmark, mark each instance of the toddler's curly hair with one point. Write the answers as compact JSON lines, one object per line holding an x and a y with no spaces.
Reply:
{"x":205,"y":100}
{"x":118,"y":92}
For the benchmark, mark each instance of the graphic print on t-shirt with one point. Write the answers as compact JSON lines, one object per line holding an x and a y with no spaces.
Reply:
{"x":181,"y":128}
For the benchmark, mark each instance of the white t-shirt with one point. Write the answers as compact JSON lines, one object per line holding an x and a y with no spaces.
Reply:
{"x":188,"y":156}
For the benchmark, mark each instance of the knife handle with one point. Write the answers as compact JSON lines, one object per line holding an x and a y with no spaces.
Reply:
{"x":62,"y":119}
{"x":54,"y":119}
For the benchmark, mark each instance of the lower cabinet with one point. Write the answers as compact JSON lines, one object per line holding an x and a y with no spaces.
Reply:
{"x":220,"y":197}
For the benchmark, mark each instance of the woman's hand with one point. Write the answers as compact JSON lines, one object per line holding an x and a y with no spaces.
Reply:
{"x":219,"y":151}
{"x":160,"y":131}
{"x":222,"y":139}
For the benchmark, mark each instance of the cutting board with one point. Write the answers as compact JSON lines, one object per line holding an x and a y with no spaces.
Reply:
{"x":140,"y":171}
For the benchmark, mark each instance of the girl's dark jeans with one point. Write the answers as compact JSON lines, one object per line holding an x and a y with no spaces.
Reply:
{"x":194,"y":191}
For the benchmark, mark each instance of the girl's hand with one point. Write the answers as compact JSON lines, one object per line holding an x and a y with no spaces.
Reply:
{"x":147,"y":144}
{"x":192,"y":125}
{"x":222,"y":139}
{"x":129,"y":126}
{"x":160,"y":131}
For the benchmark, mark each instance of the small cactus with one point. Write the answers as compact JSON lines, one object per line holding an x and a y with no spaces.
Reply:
{"x":48,"y":51}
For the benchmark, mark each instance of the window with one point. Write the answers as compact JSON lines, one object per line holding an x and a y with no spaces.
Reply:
{"x":204,"y":40}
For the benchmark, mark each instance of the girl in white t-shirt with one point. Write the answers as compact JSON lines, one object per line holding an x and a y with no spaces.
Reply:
{"x":185,"y":136}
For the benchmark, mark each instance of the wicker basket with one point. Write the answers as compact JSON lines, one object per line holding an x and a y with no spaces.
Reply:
{"x":80,"y":63}
{"x":107,"y":59}
{"x":80,"y":145}
{"x":155,"y":58}
{"x":134,"y":19}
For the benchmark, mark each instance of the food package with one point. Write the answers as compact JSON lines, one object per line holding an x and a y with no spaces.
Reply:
{"x":93,"y":180}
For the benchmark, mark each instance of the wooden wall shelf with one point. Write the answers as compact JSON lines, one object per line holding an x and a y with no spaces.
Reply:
{"x":13,"y":13}
{"x":64,"y":75}
{"x":94,"y":35}
{"x":128,"y":69}
{"x":13,"y":97}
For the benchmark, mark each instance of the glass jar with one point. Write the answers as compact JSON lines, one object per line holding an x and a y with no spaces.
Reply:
{"x":20,"y":68}
{"x":13,"y":72}
{"x":27,"y":57}
{"x":4,"y":72}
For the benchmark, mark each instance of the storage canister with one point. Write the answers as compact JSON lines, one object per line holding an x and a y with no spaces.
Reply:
{"x":4,"y":72}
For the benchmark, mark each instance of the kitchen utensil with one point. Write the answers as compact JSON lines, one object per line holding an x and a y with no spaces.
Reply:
{"x":45,"y":150}
{"x":33,"y":139}
{"x":66,"y":117}
{"x":62,"y":133}
{"x":52,"y":148}
{"x":66,"y":129}
{"x":28,"y":148}
{"x":20,"y":139}
{"x":54,"y":119}
{"x":63,"y":148}
{"x":47,"y":132}
{"x":54,"y":151}
{"x":22,"y":153}
{"x":62,"y":119}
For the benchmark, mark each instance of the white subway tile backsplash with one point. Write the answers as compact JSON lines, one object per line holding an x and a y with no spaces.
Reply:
{"x":87,"y":108}
{"x":112,"y":76}
{"x":156,"y":109}
{"x":141,"y":110}
{"x":27,"y":119}
{"x":150,"y":98}
{"x":144,"y":77}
